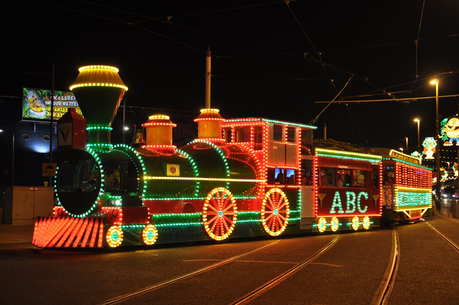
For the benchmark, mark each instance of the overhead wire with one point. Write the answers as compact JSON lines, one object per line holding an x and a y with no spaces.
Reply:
{"x":387,"y":44}
{"x":321,"y":62}
{"x":336,"y":96}
{"x":311,"y":43}
{"x":80,"y":11}
{"x":168,"y":21}
{"x":441,"y":76}
{"x":169,"y":17}
{"x":355,"y":122}
{"x":326,"y":73}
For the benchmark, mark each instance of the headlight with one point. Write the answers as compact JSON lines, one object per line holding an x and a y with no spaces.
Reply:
{"x":115,"y":201}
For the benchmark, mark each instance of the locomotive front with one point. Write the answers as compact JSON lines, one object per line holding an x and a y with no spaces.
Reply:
{"x":117,"y":194}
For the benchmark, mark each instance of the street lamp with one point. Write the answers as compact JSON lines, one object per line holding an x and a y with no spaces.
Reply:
{"x":437,"y":138}
{"x":417,"y":120}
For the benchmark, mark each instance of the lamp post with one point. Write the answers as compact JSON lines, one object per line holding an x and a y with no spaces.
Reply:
{"x":437,"y":138}
{"x":417,"y":120}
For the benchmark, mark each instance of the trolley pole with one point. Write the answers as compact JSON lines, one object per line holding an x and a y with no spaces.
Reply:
{"x":208,"y":77}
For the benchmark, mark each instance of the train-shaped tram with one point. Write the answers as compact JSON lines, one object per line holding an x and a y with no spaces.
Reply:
{"x":239,"y":178}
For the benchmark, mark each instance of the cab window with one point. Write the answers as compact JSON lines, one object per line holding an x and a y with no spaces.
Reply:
{"x":277,"y":132}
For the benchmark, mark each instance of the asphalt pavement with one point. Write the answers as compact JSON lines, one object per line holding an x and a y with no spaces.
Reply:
{"x":16,"y":237}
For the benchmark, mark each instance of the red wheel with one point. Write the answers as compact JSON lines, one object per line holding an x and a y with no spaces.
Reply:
{"x":219,"y":213}
{"x":275,"y":212}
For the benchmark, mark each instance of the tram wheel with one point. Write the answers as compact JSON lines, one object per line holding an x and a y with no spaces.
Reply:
{"x":366,"y":223}
{"x":149,"y":234}
{"x":219,"y":214}
{"x":275,"y":212}
{"x":322,"y":225}
{"x":334,"y":224}
{"x":355,"y":223}
{"x":114,"y":236}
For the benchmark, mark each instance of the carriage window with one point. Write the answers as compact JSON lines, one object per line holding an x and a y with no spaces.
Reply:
{"x":375,"y":178}
{"x":258,"y":138}
{"x":290,"y":176}
{"x":343,"y":177}
{"x":281,"y":176}
{"x":273,"y":176}
{"x":277,"y":132}
{"x":290,"y":134}
{"x":358,"y":180}
{"x":389,"y":177}
{"x":327,"y":176}
{"x":306,"y":172}
{"x":227,"y":134}
{"x":242,"y":134}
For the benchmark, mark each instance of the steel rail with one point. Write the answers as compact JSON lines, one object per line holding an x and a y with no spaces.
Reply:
{"x":384,"y":290}
{"x":147,"y":289}
{"x":449,"y":241}
{"x":277,"y":280}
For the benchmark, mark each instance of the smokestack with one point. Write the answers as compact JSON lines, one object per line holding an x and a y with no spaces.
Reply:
{"x":99,"y":91}
{"x":159,"y":133}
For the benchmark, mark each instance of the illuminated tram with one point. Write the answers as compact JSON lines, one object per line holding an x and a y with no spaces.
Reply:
{"x":240,"y":177}
{"x":407,"y":185}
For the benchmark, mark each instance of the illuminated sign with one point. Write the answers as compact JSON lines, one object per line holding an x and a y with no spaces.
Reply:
{"x":36,"y":104}
{"x":450,"y":131}
{"x":412,"y":198}
{"x":353,"y":203}
{"x":429,"y":147}
{"x":403,"y":157}
{"x":349,"y":202}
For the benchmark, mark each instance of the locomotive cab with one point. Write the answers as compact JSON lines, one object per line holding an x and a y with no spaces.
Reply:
{"x":86,"y":181}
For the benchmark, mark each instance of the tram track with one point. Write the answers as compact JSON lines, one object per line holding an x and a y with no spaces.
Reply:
{"x":277,"y":280}
{"x":381,"y":296}
{"x":177,"y":279}
{"x":247,"y":298}
{"x":444,"y":237}
{"x":386,"y":286}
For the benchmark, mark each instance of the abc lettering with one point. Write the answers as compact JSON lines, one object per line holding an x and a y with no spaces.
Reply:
{"x":353,"y":202}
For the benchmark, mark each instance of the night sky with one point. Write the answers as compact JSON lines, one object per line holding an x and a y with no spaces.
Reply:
{"x":269,"y":59}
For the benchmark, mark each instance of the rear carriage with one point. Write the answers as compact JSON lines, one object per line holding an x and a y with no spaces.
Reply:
{"x":407,"y":185}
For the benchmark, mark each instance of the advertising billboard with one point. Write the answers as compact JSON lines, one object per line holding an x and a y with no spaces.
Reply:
{"x":36,"y":104}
